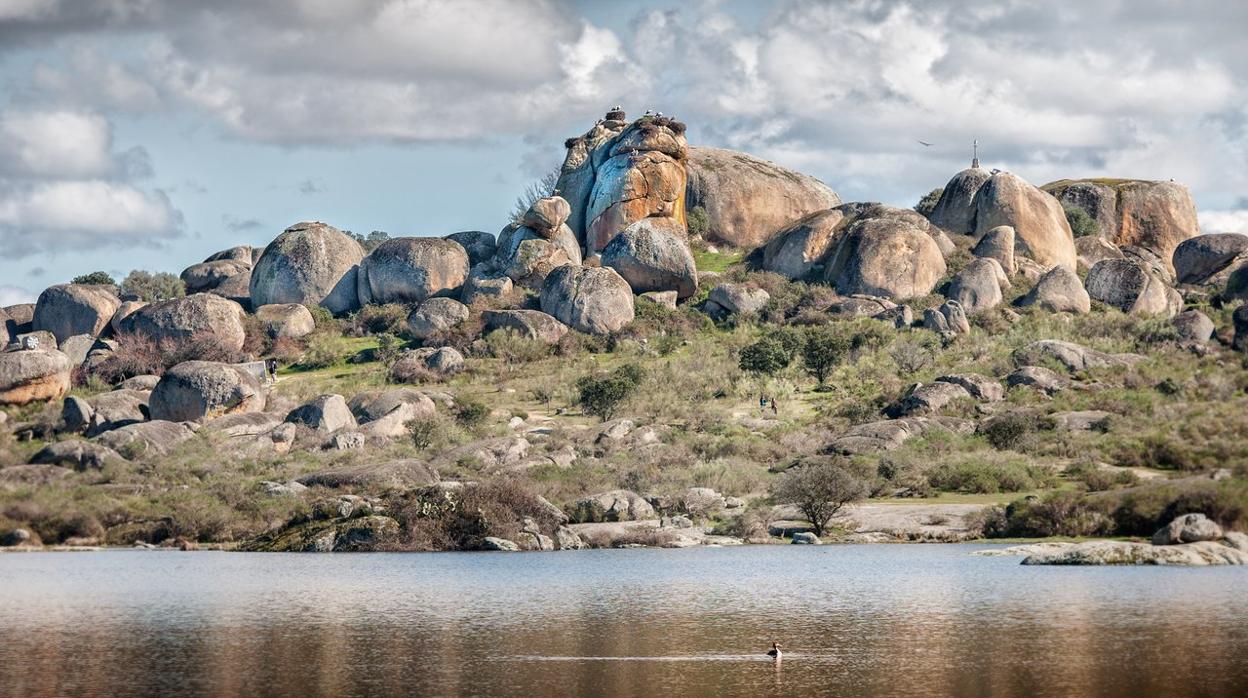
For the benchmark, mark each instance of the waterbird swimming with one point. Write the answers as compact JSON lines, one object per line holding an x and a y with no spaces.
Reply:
{"x":775,"y":650}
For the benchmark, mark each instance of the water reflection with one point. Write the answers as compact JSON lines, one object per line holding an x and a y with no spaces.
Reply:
{"x":856,"y":620}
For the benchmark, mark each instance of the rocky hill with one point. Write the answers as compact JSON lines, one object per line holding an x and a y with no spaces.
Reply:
{"x":577,"y":380}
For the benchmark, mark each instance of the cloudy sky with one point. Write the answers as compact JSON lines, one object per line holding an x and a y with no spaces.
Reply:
{"x":151,"y":133}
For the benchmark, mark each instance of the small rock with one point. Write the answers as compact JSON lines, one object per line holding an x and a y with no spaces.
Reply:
{"x":499,"y":544}
{"x":806,"y":538}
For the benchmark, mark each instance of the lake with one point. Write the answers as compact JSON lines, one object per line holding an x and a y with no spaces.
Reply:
{"x":856,"y":620}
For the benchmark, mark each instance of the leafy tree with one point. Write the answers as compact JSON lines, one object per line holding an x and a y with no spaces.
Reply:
{"x":824,"y":349}
{"x":928,"y":203}
{"x":698,"y":222}
{"x":1081,"y":224}
{"x":372,"y":241}
{"x":766,"y":356}
{"x":819,"y":488}
{"x":792,"y":339}
{"x":150,"y":287}
{"x":95,"y":277}
{"x":540,"y":189}
{"x":601,"y":396}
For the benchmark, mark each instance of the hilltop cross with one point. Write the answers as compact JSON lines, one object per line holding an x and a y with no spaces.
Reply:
{"x":975,"y":153}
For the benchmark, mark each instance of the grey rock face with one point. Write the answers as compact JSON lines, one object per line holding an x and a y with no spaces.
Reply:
{"x":805,"y":538}
{"x":1037,"y":377}
{"x":484,"y":282}
{"x":199,"y":390}
{"x":410,"y":270}
{"x":286,"y":320}
{"x":33,"y":375}
{"x":435,"y":316}
{"x":397,"y":474}
{"x":739,"y":299}
{"x":980,"y":387}
{"x":1092,"y":249}
{"x":652,"y":255}
{"x":1194,"y":326}
{"x":949,"y":319}
{"x":998,"y":244}
{"x":955,"y":211}
{"x":1126,"y":285}
{"x":195,"y":317}
{"x":927,"y":398}
{"x":77,"y":455}
{"x":324,"y":415}
{"x":889,"y":434}
{"x":1240,"y":320}
{"x":616,"y":505}
{"x":749,"y":200}
{"x":1073,"y":356}
{"x":800,"y":249}
{"x":887,"y":257}
{"x":591,"y":300}
{"x":1189,"y":528}
{"x":155,"y":438}
{"x":533,"y":324}
{"x":311,"y":263}
{"x":978,"y":286}
{"x":206,"y":276}
{"x":527,"y":257}
{"x":479,"y":245}
{"x":1059,"y":291}
{"x":547,"y":215}
{"x":1199,"y":259}
{"x":66,"y":310}
{"x":1039,"y":223}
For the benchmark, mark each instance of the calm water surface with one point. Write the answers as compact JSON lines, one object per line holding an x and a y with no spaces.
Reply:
{"x":855,"y":620}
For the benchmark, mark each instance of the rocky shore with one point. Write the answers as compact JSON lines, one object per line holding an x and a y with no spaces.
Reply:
{"x":647,"y":354}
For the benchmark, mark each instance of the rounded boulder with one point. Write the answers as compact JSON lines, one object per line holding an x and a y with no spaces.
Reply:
{"x":66,"y":310}
{"x":1039,"y":223}
{"x":409,"y":270}
{"x":435,"y":316}
{"x":311,"y":263}
{"x":33,"y":375}
{"x":653,"y":255}
{"x":888,"y":257}
{"x":286,"y":320}
{"x":594,"y":300}
{"x":191,"y":318}
{"x":199,"y":390}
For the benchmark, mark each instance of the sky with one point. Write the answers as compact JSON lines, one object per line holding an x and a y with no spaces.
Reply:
{"x":148,"y":134}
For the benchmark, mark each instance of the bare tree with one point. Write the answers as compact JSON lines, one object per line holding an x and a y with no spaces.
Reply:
{"x":818,"y":487}
{"x":540,"y":189}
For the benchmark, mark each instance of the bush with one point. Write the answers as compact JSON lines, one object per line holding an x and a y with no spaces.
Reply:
{"x":151,"y":288}
{"x":98,"y":278}
{"x":1009,"y":431}
{"x":437,"y":519}
{"x":390,"y":318}
{"x":388,"y":348}
{"x":372,"y":241}
{"x":1060,"y":513}
{"x":601,"y":396}
{"x":1081,"y":224}
{"x":824,"y":349}
{"x":819,"y":488}
{"x":766,"y":356}
{"x":913,"y":354}
{"x":139,"y":355}
{"x":515,"y":349}
{"x":977,"y":477}
{"x":470,"y":411}
{"x":698,"y":222}
{"x":928,"y":203}
{"x":324,"y":350}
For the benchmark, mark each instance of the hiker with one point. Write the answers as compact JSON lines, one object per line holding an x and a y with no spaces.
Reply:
{"x":270,"y":367}
{"x":762,"y":402}
{"x":774,"y":409}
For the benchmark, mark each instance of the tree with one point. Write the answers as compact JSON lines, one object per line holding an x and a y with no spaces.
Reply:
{"x":1081,"y":224}
{"x":824,"y":349}
{"x":698,"y":222}
{"x":96,"y":277}
{"x":540,"y":189}
{"x":601,"y":396}
{"x":150,"y":287}
{"x":928,"y":203}
{"x":372,"y":241}
{"x":766,"y":356}
{"x":818,"y":487}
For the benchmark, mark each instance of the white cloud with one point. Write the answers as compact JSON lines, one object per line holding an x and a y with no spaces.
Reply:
{"x":57,"y":216}
{"x":55,"y":143}
{"x":13,"y":295}
{"x":1232,"y":221}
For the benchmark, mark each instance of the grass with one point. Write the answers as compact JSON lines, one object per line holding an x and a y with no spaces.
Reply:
{"x":718,"y":262}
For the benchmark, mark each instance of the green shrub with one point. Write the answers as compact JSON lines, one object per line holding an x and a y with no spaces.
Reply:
{"x":1008,"y":431}
{"x":151,"y":288}
{"x":824,"y":349}
{"x":323,"y":350}
{"x":388,"y":348}
{"x":819,"y":487}
{"x":470,"y":411}
{"x":96,"y":277}
{"x":698,"y":222}
{"x":514,"y":348}
{"x":1061,"y":513}
{"x":1081,"y":224}
{"x":978,"y":477}
{"x":601,"y":396}
{"x":928,"y":203}
{"x":390,"y":318}
{"x":766,"y":356}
